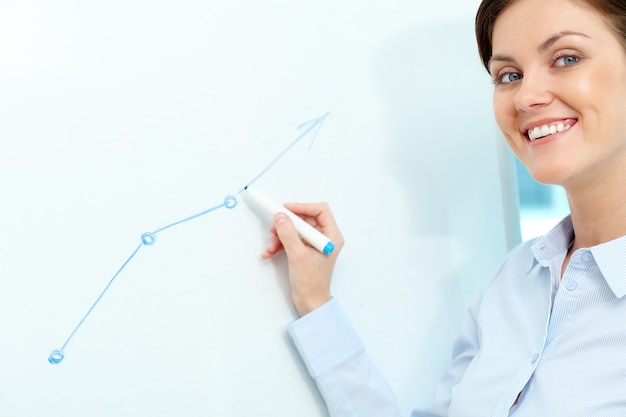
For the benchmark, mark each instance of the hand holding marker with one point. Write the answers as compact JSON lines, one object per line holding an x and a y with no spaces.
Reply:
{"x":307,"y":232}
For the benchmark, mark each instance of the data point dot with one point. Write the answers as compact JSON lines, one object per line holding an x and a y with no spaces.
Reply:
{"x":56,"y":356}
{"x":148,"y":238}
{"x":230,"y":201}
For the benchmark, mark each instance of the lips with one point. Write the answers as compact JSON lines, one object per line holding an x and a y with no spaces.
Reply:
{"x":546,"y":129}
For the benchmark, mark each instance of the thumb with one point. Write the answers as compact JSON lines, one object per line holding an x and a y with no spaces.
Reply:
{"x":286,"y":232}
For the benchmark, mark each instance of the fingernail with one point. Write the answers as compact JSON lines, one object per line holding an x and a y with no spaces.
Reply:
{"x":280,"y":218}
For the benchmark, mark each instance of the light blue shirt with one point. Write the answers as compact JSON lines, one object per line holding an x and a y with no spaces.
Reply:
{"x":558,"y":344}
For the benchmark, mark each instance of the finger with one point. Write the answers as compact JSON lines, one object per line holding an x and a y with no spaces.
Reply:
{"x":308,"y":209}
{"x":273,"y":247}
{"x":287,"y":234}
{"x":319,"y":216}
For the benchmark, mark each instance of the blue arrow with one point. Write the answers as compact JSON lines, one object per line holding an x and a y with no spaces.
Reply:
{"x":149,"y":238}
{"x":310,"y":125}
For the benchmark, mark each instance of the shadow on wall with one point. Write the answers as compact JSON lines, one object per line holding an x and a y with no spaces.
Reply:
{"x":438,"y":99}
{"x":442,"y":147}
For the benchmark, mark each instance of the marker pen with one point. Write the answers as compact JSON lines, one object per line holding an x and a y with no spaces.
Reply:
{"x":305,"y":230}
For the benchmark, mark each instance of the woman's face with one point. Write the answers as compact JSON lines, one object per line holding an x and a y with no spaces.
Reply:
{"x":560,"y":91}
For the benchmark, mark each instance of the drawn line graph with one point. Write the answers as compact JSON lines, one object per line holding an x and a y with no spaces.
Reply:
{"x":149,"y":238}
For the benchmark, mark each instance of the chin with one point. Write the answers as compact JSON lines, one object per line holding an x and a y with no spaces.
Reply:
{"x":549,"y":177}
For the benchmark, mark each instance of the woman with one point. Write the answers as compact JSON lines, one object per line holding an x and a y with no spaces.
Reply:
{"x":548,"y":335}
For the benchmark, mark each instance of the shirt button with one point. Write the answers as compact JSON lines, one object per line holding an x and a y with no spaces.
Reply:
{"x":534,"y":358}
{"x":587,"y":257}
{"x":571,"y":285}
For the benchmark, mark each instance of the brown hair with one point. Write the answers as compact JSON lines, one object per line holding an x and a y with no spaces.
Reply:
{"x":613,"y":10}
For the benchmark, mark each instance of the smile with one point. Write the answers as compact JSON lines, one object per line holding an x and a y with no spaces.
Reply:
{"x":542,"y":131}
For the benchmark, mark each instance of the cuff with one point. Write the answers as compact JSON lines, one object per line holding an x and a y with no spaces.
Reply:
{"x":324,"y":338}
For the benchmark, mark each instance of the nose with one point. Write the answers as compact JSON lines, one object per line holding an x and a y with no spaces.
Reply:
{"x":534,"y":92}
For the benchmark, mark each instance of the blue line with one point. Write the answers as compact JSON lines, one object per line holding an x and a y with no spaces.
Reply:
{"x":188,"y":218}
{"x":230,"y":202}
{"x":149,"y":238}
{"x":317,"y":122}
{"x":57,"y":356}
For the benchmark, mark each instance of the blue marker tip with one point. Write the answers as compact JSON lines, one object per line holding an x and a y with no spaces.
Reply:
{"x":330,"y":246}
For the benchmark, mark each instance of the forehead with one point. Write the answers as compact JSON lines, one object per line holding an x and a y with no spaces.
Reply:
{"x":533,"y":21}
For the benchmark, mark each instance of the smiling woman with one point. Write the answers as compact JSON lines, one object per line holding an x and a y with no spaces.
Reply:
{"x":546,"y":336}
{"x":566,"y":77}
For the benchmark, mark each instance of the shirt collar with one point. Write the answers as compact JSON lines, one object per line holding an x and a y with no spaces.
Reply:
{"x":612,"y":263}
{"x":555,"y":243}
{"x":609,"y":256}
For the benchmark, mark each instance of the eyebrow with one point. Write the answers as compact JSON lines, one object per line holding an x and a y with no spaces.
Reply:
{"x":543,"y":46}
{"x":552,"y":39}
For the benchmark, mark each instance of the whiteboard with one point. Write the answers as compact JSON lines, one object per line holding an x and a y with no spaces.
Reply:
{"x":122,"y":118}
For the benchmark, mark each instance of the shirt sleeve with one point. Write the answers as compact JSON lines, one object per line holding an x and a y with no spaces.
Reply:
{"x":349,"y":382}
{"x":334,"y":356}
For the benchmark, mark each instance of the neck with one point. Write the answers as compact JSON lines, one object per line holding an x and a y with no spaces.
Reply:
{"x":598,"y":215}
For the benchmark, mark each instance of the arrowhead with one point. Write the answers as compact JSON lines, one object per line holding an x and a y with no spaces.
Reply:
{"x":312,"y":124}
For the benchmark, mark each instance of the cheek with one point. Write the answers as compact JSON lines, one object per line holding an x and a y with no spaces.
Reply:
{"x":591,"y":91}
{"x":504,"y":113}
{"x":604,"y":103}
{"x":604,"y":85}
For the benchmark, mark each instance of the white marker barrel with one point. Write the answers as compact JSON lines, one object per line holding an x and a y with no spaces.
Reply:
{"x":307,"y":232}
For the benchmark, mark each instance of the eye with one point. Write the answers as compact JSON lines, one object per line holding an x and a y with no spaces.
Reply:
{"x":507,"y":77}
{"x":566,"y":60}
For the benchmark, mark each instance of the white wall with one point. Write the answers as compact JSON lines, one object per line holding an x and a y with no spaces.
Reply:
{"x":120,"y":117}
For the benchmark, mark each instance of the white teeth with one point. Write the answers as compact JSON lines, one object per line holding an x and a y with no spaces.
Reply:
{"x":546,"y":130}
